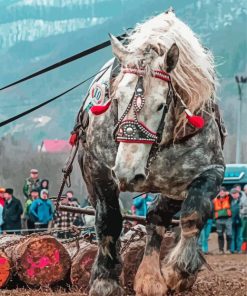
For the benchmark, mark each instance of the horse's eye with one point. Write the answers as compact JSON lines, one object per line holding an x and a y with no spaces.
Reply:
{"x":160,"y":107}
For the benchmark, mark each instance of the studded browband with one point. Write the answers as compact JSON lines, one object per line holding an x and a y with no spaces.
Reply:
{"x":160,"y":74}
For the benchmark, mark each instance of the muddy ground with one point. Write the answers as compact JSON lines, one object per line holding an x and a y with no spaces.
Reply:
{"x":227,"y":278}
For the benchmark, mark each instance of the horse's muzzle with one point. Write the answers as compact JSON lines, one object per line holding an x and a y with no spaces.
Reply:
{"x":125,"y":183}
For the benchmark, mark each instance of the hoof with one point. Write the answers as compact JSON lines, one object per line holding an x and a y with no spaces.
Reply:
{"x":149,"y":284}
{"x":176,"y":280}
{"x":103,"y":287}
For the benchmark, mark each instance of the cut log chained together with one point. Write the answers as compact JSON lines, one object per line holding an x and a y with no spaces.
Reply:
{"x":40,"y":259}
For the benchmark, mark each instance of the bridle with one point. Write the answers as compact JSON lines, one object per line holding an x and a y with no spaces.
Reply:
{"x":135,"y":131}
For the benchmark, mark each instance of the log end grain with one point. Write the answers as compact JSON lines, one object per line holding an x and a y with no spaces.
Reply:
{"x":41,"y":260}
{"x":5,"y":269}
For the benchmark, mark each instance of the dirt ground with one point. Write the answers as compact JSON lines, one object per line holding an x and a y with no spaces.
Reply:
{"x":227,"y":278}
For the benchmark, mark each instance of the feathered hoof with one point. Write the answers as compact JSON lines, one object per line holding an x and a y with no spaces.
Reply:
{"x":149,"y":284}
{"x":176,"y":280}
{"x":105,"y":287}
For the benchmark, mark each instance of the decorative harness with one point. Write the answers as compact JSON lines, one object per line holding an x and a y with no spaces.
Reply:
{"x":133,"y":130}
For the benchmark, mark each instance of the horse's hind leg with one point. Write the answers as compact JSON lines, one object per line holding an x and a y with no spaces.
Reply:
{"x":108,"y":222}
{"x":185,"y":260}
{"x":148,"y":280}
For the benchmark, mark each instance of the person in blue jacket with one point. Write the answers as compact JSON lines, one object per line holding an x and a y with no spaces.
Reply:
{"x":41,"y":210}
{"x":236,"y":222}
{"x":141,"y":204}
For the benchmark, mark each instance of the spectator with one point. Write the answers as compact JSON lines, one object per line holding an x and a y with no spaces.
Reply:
{"x":236,"y":221}
{"x":72,"y":199}
{"x":64,"y":220}
{"x":243,"y":216}
{"x":32,"y":182}
{"x":2,"y":200}
{"x":223,"y":214}
{"x":141,"y":204}
{"x":205,"y":232}
{"x":41,"y":211}
{"x":44,"y":184}
{"x":29,"y":218}
{"x":12,"y":212}
{"x":238,"y":187}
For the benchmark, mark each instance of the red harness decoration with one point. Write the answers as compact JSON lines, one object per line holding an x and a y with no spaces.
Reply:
{"x":99,"y":109}
{"x":196,"y":121}
{"x":73,"y":139}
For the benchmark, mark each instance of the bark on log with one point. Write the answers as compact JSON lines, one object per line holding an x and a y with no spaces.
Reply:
{"x":6,"y":268}
{"x":81,"y":266}
{"x":131,"y":257}
{"x":38,"y":260}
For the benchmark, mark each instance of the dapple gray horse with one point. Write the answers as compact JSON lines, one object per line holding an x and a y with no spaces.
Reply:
{"x":150,"y":124}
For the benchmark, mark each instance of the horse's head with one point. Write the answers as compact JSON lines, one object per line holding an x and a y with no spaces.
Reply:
{"x":141,"y":91}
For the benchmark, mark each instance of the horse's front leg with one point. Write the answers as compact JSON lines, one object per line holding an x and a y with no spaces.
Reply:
{"x":185,"y":260}
{"x":149,"y":280}
{"x":108,"y":223}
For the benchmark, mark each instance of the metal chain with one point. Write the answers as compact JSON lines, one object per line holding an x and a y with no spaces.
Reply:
{"x":43,"y":233}
{"x":136,"y":236}
{"x":88,"y":238}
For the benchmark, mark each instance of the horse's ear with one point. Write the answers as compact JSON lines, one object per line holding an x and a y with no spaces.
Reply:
{"x":172,"y":57}
{"x":118,"y":49}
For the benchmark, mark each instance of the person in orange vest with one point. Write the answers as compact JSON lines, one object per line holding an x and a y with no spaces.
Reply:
{"x":223,"y":217}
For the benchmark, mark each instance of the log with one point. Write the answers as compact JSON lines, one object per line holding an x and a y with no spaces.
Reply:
{"x":38,"y":260}
{"x":131,"y":257}
{"x":133,"y":254}
{"x":5,"y":258}
{"x":5,"y":269}
{"x":81,"y":266}
{"x":91,"y":212}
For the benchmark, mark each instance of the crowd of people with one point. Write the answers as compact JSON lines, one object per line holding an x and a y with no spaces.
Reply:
{"x":229,"y":213}
{"x":38,"y":212}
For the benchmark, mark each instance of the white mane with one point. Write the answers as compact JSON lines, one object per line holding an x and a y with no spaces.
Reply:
{"x":194,"y":76}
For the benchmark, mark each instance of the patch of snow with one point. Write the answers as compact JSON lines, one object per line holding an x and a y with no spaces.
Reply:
{"x":41,"y":121}
{"x":31,"y":29}
{"x":56,"y":3}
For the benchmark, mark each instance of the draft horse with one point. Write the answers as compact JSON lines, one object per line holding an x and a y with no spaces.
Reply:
{"x":150,"y":123}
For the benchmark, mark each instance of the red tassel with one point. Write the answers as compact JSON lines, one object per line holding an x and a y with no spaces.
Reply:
{"x":73,"y":139}
{"x":196,"y":121}
{"x":97,"y":110}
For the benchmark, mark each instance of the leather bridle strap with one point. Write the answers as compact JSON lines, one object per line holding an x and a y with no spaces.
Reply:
{"x":156,"y":147}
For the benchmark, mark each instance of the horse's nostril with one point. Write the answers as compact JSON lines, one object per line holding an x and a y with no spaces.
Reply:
{"x":139,"y":178}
